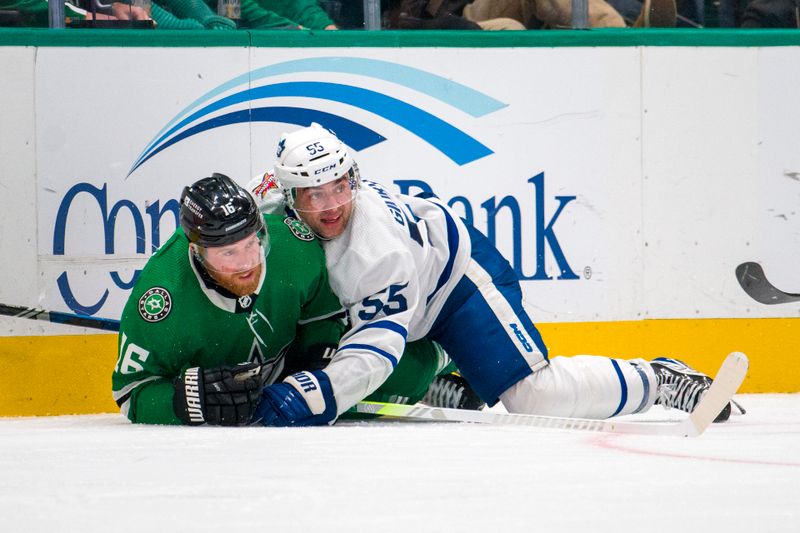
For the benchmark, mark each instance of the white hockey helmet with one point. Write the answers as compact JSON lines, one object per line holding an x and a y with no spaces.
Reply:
{"x":311,"y":157}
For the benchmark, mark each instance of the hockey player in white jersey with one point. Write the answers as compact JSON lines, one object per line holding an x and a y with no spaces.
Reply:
{"x":408,"y":268}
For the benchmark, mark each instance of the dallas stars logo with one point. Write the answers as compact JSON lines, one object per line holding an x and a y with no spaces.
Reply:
{"x":299,"y":229}
{"x":155,"y":304}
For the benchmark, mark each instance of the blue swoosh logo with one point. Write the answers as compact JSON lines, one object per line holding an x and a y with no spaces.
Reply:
{"x":452,"y":142}
{"x":346,"y":129}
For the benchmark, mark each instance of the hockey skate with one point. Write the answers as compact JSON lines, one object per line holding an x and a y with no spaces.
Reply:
{"x":452,"y":391}
{"x":682,"y":387}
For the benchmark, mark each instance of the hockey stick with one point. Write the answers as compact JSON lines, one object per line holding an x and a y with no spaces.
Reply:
{"x":754,"y":282}
{"x":729,"y":377}
{"x":59,"y":317}
{"x":727,"y":382}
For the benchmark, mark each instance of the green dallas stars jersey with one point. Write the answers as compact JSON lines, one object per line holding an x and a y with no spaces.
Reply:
{"x":174,"y":320}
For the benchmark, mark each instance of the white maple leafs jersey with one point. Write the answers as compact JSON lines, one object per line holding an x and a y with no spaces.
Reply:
{"x":392,"y":268}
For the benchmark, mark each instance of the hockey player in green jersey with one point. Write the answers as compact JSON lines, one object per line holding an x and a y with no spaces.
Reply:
{"x":231,"y":302}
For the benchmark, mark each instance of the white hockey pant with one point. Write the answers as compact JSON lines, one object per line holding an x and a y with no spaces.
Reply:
{"x":584,"y":386}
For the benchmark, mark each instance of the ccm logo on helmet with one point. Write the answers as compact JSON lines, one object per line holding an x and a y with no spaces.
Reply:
{"x":325,"y":169}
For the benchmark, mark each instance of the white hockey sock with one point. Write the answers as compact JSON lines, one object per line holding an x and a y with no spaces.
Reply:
{"x":584,"y":386}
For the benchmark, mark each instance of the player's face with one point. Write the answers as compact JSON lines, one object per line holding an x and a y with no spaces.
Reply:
{"x":237,"y":266}
{"x":327,"y":208}
{"x":240,"y":284}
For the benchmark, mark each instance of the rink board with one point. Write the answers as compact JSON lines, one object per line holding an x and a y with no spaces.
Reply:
{"x":71,"y":374}
{"x":624,"y":175}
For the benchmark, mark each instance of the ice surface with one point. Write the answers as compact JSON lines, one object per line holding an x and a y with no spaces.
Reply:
{"x":99,"y":473}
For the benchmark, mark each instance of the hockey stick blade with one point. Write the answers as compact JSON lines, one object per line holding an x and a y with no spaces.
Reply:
{"x":727,"y":381}
{"x":730,"y":376}
{"x":59,"y":317}
{"x":755,"y":283}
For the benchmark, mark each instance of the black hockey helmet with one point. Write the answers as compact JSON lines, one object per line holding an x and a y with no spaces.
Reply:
{"x":216,"y":211}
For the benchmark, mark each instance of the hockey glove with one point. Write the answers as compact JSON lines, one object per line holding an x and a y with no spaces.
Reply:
{"x":302,"y":399}
{"x":315,"y":357}
{"x":223,"y":396}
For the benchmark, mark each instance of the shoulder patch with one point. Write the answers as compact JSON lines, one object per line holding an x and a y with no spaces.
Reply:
{"x":155,"y":304}
{"x":299,"y":229}
{"x":268,"y":182}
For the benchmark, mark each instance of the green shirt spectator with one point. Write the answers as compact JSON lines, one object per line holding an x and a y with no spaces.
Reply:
{"x":169,"y":15}
{"x":274,"y":14}
{"x":188,"y":15}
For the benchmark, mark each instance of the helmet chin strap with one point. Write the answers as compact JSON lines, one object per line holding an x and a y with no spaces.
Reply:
{"x":196,"y":254}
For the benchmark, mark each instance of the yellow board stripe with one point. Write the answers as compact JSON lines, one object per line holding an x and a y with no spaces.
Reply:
{"x":55,"y":375}
{"x":771,"y":344}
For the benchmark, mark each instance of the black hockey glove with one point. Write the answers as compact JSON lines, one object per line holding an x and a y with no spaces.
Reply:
{"x":315,"y":357}
{"x":223,"y":396}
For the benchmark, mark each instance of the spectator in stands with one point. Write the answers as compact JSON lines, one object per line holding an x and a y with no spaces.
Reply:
{"x":442,"y":15}
{"x":183,"y":14}
{"x":167,"y":14}
{"x":282,"y":14}
{"x":558,"y":13}
{"x":519,"y":14}
{"x":36,"y":12}
{"x":252,"y":14}
{"x":189,"y":15}
{"x":690,"y":13}
{"x":771,"y":14}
